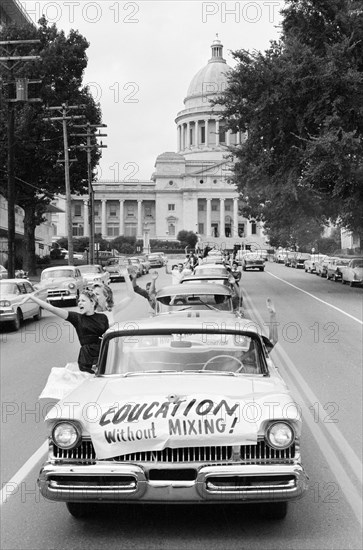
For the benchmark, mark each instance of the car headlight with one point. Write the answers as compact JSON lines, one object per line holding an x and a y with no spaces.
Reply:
{"x":66,"y":435}
{"x":280,"y":435}
{"x":71,"y":286}
{"x":5,"y":303}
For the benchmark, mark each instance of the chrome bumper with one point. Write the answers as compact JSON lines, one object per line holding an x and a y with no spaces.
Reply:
{"x":128,"y":482}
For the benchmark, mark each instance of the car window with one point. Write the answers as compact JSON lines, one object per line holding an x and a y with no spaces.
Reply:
{"x":57,"y":273}
{"x":28,"y":288}
{"x":185,"y":352}
{"x":9,"y":288}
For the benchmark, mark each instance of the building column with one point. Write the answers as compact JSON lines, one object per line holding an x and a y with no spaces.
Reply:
{"x":221,"y":219}
{"x":182,"y":135}
{"x":188,"y":135}
{"x":85,"y":218}
{"x":178,"y":138}
{"x":139,"y":219}
{"x":248,"y":228}
{"x":217,"y":132}
{"x":228,"y":137}
{"x":103,"y":219}
{"x":206,"y":133}
{"x":235,"y":217}
{"x":208,"y":230}
{"x":196,"y":131}
{"x":121,"y":217}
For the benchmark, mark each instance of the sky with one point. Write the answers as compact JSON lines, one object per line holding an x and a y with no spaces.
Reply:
{"x":141,"y":59}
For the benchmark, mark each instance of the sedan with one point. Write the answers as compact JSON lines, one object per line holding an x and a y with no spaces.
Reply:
{"x":298,"y":261}
{"x":94,"y":274}
{"x":353,"y":272}
{"x":174,"y":398}
{"x":253,"y":260}
{"x":12,"y":292}
{"x":63,"y":284}
{"x":321,"y":266}
{"x":309,"y":265}
{"x":334,"y":268}
{"x":155,"y":259}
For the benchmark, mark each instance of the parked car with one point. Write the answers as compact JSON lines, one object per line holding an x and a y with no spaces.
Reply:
{"x":173,"y":399}
{"x":76,"y":256}
{"x":309,"y":265}
{"x":253,"y":260}
{"x":113,"y":268}
{"x":155,"y":259}
{"x":321,"y":266}
{"x":3,"y":272}
{"x":298,"y":260}
{"x":12,"y":292}
{"x":334,"y":268}
{"x":279,"y":256}
{"x":353,"y":272}
{"x":62,"y":283}
{"x":94,"y":274}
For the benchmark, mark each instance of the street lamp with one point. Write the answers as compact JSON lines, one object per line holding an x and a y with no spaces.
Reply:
{"x":146,"y":239}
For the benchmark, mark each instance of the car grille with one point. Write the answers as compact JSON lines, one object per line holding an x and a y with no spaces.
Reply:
{"x":57,"y":293}
{"x":245,"y":454}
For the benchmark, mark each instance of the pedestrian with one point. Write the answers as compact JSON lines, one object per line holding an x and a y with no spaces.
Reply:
{"x":90,"y":325}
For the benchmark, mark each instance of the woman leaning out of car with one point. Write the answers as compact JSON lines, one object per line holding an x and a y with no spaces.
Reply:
{"x":105,"y":299}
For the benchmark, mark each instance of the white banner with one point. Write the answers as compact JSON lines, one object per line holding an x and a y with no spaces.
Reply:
{"x":153,"y":424}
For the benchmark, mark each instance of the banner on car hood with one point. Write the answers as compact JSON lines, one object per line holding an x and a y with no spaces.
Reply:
{"x":153,"y":424}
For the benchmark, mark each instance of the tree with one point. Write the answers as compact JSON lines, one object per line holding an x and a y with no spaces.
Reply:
{"x":187,"y":238}
{"x":38,"y":143}
{"x":299,"y":103}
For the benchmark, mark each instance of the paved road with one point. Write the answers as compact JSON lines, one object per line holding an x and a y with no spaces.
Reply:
{"x":320,"y":356}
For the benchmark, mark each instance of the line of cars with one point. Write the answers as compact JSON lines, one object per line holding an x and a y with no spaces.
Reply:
{"x":182,"y":412}
{"x":347,"y":269}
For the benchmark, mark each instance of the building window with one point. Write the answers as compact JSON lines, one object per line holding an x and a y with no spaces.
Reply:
{"x":191,"y":136}
{"x":227,"y":208}
{"x":147,"y":211}
{"x":253,"y":228}
{"x":171,"y":229}
{"x":222,"y":134}
{"x":214,"y":207}
{"x":201,"y":228}
{"x":130,"y":212}
{"x":113,"y":210}
{"x":96,"y":211}
{"x":171,"y":182}
{"x":112,"y":231}
{"x":201,"y":207}
{"x":98,"y":228}
{"x":171,"y":207}
{"x":78,"y":209}
{"x":77,"y":230}
{"x":202,"y":134}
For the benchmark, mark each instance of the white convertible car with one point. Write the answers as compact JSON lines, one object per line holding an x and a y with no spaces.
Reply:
{"x":183,"y":408}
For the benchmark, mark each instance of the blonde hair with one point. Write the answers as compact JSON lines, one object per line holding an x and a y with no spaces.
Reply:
{"x":91,"y":296}
{"x":108,"y":294}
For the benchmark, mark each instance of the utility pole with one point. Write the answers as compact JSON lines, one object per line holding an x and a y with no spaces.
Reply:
{"x":9,"y":61}
{"x":64,"y":110}
{"x":90,"y":135}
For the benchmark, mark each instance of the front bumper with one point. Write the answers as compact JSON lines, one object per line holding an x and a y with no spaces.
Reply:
{"x":7,"y":314}
{"x":110,"y":482}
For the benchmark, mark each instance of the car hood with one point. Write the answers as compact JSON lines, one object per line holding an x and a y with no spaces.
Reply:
{"x":53,"y":283}
{"x":155,"y":411}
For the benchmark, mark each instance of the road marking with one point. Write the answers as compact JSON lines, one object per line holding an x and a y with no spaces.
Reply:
{"x":11,"y":487}
{"x":352,"y":495}
{"x":316,"y":298}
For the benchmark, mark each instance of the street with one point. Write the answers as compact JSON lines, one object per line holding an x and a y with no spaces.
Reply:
{"x":319,"y":354}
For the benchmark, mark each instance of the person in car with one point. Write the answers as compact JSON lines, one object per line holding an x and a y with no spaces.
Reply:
{"x":89,"y":325}
{"x":149,"y":293}
{"x":176,"y":273}
{"x":235,"y":272}
{"x":105,"y":297}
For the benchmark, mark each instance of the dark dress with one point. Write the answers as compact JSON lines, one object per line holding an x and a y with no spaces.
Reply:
{"x":90,"y":329}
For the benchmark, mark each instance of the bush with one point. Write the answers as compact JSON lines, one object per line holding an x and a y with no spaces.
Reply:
{"x":42,"y":260}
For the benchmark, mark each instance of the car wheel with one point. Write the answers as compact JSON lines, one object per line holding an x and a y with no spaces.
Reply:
{"x":343,"y":282}
{"x":38,"y":316}
{"x":18,"y":320}
{"x":273,"y":510}
{"x":351,"y":283}
{"x":262,"y":269}
{"x":244,"y":268}
{"x":81,"y":510}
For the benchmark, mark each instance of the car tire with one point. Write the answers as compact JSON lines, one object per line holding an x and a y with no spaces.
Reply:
{"x":343,"y":282}
{"x":38,"y":316}
{"x":351,"y":283}
{"x":81,"y":510}
{"x":244,"y":268}
{"x":18,"y":320}
{"x":273,"y":510}
{"x":262,"y":269}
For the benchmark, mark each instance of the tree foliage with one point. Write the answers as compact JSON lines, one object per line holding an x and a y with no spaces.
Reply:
{"x":300,"y":104}
{"x":38,"y":142}
{"x":187,"y":238}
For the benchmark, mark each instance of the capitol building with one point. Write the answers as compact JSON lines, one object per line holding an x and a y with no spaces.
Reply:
{"x":190,"y":189}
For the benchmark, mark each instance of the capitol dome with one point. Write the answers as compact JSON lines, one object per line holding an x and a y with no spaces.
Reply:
{"x":211,"y":79}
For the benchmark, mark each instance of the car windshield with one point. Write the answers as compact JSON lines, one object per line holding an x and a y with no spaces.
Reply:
{"x":357,"y":263}
{"x":8,"y":288}
{"x":90,"y":269}
{"x":210,"y":270}
{"x":196,"y":301}
{"x":343,"y":262}
{"x":57,"y":273}
{"x":183,"y":352}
